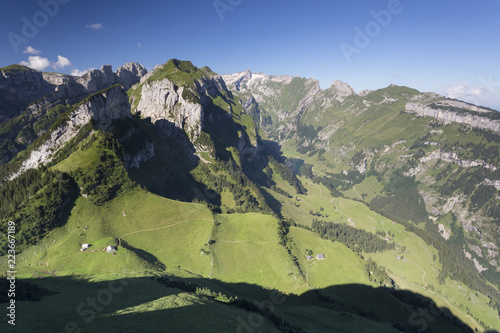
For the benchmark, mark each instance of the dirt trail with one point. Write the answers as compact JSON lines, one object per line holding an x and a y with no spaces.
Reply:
{"x":160,"y":228}
{"x":354,"y":188}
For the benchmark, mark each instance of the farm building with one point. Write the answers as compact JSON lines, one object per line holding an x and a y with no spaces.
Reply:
{"x":84,"y":247}
{"x":111,"y":249}
{"x":320,"y":256}
{"x":309,"y":258}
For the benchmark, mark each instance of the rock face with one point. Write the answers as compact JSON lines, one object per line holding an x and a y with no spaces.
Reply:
{"x":129,"y":74}
{"x":268,"y":95}
{"x":452,"y":157}
{"x":98,"y":79}
{"x":176,"y":108}
{"x":102,"y":109}
{"x":443,"y":111}
{"x":57,"y":78}
{"x":95,"y":80}
{"x":341,"y":90}
{"x":19,"y":87}
{"x":164,"y":103}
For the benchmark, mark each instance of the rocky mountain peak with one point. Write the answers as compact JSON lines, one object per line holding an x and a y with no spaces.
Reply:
{"x":241,"y":78}
{"x":129,"y":74}
{"x":175,"y":95}
{"x":341,"y":90}
{"x":95,"y":79}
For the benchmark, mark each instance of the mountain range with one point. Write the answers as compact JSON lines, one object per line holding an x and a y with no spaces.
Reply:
{"x":313,"y":209}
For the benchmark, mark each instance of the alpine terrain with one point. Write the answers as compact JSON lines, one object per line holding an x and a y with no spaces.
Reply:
{"x":182,"y":200}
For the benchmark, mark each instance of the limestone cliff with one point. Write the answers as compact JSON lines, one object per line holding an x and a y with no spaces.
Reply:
{"x":178,"y":104}
{"x":165,"y":104}
{"x":449,"y":111}
{"x":101,"y":109}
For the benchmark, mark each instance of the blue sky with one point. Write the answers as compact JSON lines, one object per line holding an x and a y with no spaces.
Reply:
{"x":448,"y":47}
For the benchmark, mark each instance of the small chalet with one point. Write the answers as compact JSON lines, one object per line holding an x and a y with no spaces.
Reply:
{"x":111,"y":249}
{"x":320,"y":256}
{"x":84,"y":247}
{"x":309,"y":258}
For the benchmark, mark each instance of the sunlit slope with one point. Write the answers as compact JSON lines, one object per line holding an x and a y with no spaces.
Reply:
{"x":247,"y":249}
{"x":340,"y":266}
{"x":151,"y":232}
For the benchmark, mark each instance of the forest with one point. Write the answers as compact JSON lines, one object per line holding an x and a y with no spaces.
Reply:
{"x":355,"y":239}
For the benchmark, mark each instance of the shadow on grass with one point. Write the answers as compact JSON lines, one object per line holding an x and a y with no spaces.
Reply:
{"x":173,"y":304}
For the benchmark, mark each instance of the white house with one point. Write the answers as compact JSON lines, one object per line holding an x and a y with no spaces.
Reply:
{"x":111,"y":249}
{"x":84,"y":247}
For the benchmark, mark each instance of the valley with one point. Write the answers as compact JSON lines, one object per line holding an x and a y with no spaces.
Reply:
{"x":216,"y":189}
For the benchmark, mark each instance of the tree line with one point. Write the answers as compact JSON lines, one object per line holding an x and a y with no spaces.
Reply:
{"x":356,"y":239}
{"x":35,"y":201}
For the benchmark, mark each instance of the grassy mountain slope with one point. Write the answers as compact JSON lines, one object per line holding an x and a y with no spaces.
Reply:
{"x":409,"y":167}
{"x":221,"y":233}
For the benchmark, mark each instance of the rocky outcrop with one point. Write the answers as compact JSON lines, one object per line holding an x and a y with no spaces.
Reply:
{"x":341,"y":90}
{"x":474,"y":118}
{"x":101,"y":109}
{"x":19,"y":86}
{"x":178,"y":108}
{"x":104,"y":108}
{"x":164,"y":103}
{"x":256,"y":82}
{"x":98,"y":79}
{"x":268,"y":93}
{"x":95,"y":80}
{"x":129,"y":74}
{"x":452,"y":157}
{"x":490,"y":182}
{"x":57,"y":78}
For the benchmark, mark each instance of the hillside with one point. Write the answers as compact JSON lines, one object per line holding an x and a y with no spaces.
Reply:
{"x":409,"y":155}
{"x":247,"y":201}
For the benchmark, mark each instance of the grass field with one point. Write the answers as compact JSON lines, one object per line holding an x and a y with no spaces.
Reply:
{"x":236,"y":253}
{"x":246,"y":249}
{"x":79,"y":159}
{"x":340,"y":266}
{"x":155,"y":231}
{"x":419,"y":273}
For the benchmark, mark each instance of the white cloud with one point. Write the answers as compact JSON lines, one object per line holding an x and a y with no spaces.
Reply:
{"x":139,"y":45}
{"x":36,"y":62}
{"x":61,"y":62}
{"x":31,"y":50}
{"x":457,"y":90}
{"x":77,"y":72}
{"x":41,"y":63}
{"x":476,"y":92}
{"x":95,"y":26}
